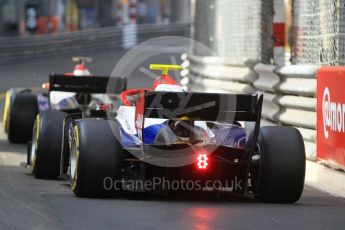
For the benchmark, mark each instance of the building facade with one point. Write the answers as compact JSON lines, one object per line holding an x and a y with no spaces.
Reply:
{"x":24,"y":17}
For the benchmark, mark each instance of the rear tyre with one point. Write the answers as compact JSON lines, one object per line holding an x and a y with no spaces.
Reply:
{"x":96,"y":158}
{"x":280,"y":178}
{"x":20,"y":118}
{"x":47,"y":144}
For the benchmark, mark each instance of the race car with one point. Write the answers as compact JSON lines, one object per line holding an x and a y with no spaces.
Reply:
{"x":23,"y":104}
{"x":166,"y":132}
{"x":20,"y":109}
{"x":69,"y":97}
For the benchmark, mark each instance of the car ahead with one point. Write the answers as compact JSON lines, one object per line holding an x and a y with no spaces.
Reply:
{"x":83,"y":97}
{"x":20,"y":109}
{"x":23,"y":104}
{"x":165,"y":132}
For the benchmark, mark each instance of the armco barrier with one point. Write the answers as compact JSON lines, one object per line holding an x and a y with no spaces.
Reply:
{"x":14,"y":49}
{"x":213,"y":74}
{"x":290,"y":99}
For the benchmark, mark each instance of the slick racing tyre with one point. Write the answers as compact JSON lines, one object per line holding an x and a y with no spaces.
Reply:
{"x":96,"y":158}
{"x":48,"y":144}
{"x":20,"y":113}
{"x":281,"y":170}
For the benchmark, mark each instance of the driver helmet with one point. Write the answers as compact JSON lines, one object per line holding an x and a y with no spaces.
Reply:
{"x":81,"y":70}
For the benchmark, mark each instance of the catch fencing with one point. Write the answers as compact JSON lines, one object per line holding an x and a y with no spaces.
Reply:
{"x":319,"y":31}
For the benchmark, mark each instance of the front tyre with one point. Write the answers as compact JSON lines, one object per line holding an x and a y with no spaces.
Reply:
{"x":96,"y":158}
{"x":280,"y":175}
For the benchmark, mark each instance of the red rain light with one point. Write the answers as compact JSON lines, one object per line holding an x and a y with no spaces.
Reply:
{"x":202,"y":161}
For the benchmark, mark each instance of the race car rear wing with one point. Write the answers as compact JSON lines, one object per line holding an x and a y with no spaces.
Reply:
{"x":227,"y":108}
{"x":86,"y":84}
{"x":202,"y":106}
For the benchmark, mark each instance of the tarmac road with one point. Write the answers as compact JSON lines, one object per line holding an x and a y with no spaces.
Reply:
{"x":28,"y":203}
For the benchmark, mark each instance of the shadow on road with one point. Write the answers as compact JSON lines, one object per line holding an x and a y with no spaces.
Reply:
{"x":207,"y":197}
{"x":7,"y":147}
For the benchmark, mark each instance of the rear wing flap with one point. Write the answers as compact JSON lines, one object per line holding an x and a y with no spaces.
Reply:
{"x":202,"y":106}
{"x":86,"y":84}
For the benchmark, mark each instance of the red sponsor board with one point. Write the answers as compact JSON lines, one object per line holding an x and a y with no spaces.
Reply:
{"x":331,"y":116}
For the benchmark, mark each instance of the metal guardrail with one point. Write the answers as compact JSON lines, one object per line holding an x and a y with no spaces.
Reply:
{"x":289,"y":99}
{"x":14,"y":49}
{"x":214,"y":74}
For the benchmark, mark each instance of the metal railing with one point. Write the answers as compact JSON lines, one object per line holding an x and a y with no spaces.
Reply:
{"x":214,"y":74}
{"x":14,"y":49}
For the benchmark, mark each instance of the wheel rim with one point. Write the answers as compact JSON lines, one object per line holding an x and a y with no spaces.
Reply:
{"x":34,"y":144}
{"x":70,"y":140}
{"x":73,"y":159}
{"x":74,"y":155}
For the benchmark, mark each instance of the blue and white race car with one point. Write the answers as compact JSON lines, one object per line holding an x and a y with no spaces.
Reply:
{"x":164,"y":134}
